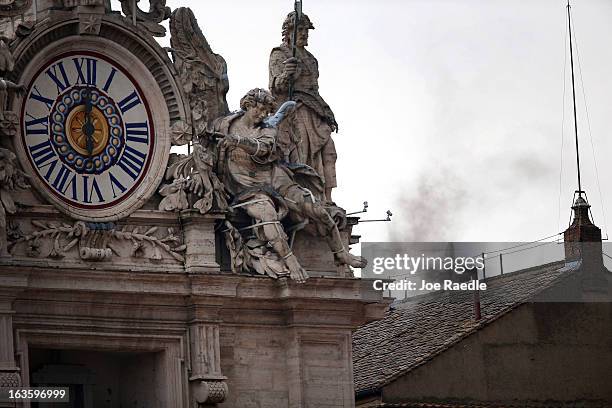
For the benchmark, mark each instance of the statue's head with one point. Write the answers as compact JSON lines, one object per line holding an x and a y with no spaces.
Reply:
{"x":258,"y":103}
{"x":302,"y":31}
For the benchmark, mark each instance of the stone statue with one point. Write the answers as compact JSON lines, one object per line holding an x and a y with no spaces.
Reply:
{"x":11,"y":178}
{"x":8,"y":120}
{"x":203,"y":75}
{"x":306,"y":138}
{"x":270,"y":191}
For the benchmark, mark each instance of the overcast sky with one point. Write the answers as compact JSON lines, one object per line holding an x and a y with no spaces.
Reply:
{"x":450,"y":112}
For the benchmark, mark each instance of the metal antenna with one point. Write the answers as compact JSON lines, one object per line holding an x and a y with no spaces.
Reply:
{"x":569,"y":24}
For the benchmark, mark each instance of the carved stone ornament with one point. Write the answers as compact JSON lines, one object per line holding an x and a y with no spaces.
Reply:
{"x":203,"y":75}
{"x":209,"y":392}
{"x":76,"y":3}
{"x":90,"y":24}
{"x":11,"y":8}
{"x":98,"y":241}
{"x":150,"y":20}
{"x":10,"y":380}
{"x":11,"y":178}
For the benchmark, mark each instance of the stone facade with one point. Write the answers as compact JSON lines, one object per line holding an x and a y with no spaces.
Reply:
{"x":137,"y":305}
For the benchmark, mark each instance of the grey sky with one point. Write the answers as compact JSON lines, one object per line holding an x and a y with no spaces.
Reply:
{"x":450,"y":112}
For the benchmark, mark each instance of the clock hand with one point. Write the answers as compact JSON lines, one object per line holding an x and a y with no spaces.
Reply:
{"x":88,"y":127}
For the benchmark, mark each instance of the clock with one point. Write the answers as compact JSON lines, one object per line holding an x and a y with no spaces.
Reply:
{"x":93,"y":130}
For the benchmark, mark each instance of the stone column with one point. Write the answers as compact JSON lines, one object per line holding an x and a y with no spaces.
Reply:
{"x":199,"y":237}
{"x":9,"y":372}
{"x":207,"y":383}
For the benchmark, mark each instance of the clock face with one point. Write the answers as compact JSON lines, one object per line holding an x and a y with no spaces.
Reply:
{"x":87,"y":132}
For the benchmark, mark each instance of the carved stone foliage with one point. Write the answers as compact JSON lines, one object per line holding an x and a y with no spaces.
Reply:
{"x":192,"y":182}
{"x":96,"y":241}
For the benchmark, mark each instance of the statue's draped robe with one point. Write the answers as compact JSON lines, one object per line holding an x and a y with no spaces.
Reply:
{"x":307,"y":138}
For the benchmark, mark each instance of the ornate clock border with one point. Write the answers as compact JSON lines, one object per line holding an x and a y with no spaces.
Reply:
{"x":115,"y":37}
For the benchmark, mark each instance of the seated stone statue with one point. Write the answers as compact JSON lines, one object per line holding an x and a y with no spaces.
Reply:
{"x":269,"y":190}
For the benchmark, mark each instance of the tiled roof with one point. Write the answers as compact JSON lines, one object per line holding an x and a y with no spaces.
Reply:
{"x":491,"y":405}
{"x":420,"y":328}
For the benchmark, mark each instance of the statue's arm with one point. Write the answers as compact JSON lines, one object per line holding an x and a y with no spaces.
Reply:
{"x":260,"y":147}
{"x":280,"y":79}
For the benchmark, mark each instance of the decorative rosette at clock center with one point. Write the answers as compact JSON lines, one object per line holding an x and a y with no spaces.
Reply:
{"x":87,"y":139}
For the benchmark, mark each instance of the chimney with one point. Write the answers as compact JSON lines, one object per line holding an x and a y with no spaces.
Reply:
{"x":583,"y":242}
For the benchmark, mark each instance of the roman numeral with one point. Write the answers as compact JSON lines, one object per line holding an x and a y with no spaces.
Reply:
{"x":86,"y":70}
{"x":109,"y":80}
{"x":129,"y":102}
{"x":50,"y":170}
{"x":37,"y":96}
{"x":137,"y":132}
{"x":73,"y":186}
{"x":116,"y":183}
{"x":61,"y":178}
{"x":61,"y":83}
{"x":94,"y":189}
{"x":41,"y":153}
{"x":132,"y":161}
{"x":44,"y":121}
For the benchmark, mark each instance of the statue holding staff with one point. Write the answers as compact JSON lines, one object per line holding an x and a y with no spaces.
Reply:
{"x":294,"y":73}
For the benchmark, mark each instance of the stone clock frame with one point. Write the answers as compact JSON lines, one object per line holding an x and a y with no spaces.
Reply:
{"x":150,"y":70}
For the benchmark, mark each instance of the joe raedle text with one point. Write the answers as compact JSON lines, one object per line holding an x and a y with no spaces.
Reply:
{"x":407,"y":285}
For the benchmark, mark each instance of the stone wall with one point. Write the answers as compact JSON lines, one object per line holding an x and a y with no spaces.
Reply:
{"x":538,"y":352}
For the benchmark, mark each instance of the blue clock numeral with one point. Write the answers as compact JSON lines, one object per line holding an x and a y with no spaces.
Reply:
{"x":88,"y":194}
{"x":61,"y":178}
{"x":86,"y":69}
{"x":42,"y":152}
{"x":109,"y":80}
{"x":37,"y":96}
{"x":137,"y":132}
{"x":30,"y":124}
{"x":129,"y":102}
{"x":116,"y":183}
{"x":61,"y":83}
{"x":132,"y":162}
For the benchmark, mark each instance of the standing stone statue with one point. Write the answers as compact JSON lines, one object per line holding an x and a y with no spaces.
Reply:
{"x":270,"y":191}
{"x":306,"y":138}
{"x":8,"y":120}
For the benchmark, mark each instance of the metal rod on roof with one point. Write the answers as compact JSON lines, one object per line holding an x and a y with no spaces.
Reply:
{"x":134,"y":11}
{"x":569,"y":24}
{"x":484,"y":266}
{"x":501,"y":264}
{"x":477,"y":311}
